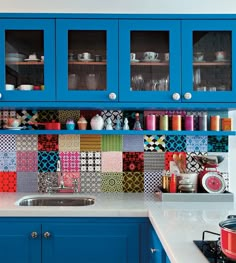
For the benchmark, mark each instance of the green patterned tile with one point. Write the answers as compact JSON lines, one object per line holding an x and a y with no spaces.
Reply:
{"x":133,"y":182}
{"x":112,"y":143}
{"x":112,"y":182}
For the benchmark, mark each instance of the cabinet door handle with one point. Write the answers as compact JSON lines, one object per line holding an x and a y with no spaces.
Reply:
{"x":187,"y":95}
{"x":47,"y":235}
{"x":112,"y":96}
{"x":0,"y":95}
{"x":34,"y":234}
{"x":176,"y":96}
{"x":153,"y":250}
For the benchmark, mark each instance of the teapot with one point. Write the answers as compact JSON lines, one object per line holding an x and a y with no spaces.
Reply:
{"x":97,"y":122}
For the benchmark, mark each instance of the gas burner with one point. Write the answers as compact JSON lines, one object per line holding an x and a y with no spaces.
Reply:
{"x":211,"y":249}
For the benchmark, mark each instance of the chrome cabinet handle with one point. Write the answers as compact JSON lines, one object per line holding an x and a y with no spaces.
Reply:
{"x":153,"y":250}
{"x":176,"y":96}
{"x":47,"y":235}
{"x":112,"y":96}
{"x":187,"y":95}
{"x":0,"y":95}
{"x":34,"y":234}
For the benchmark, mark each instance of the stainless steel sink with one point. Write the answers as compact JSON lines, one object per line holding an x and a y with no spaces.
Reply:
{"x":57,"y":201}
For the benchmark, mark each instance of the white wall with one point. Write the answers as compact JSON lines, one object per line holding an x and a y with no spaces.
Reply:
{"x":119,"y":6}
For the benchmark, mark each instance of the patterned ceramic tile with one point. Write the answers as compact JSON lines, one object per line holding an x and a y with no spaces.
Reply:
{"x":28,"y":117}
{"x":154,"y":161}
{"x":152,"y":180}
{"x":27,"y":161}
{"x":112,"y":162}
{"x":48,"y":142}
{"x":113,"y":115}
{"x":224,"y":165}
{"x":46,"y":180}
{"x":192,"y":164}
{"x":196,"y":143}
{"x":5,"y":115}
{"x":175,"y":143}
{"x":217,"y":143}
{"x":90,"y":182}
{"x":7,"y":181}
{"x":7,"y":161}
{"x":26,"y":142}
{"x":130,"y":115}
{"x":112,"y":143}
{"x":133,"y":182}
{"x":7,"y":143}
{"x":68,"y":114}
{"x":90,"y":161}
{"x":69,"y":143}
{"x":47,"y":161}
{"x":133,"y":143}
{"x":112,"y":182}
{"x":90,"y":142}
{"x":70,"y":161}
{"x":48,"y":115}
{"x":154,"y":143}
{"x":169,"y":158}
{"x":133,"y":161}
{"x":69,"y":177}
{"x":27,"y":182}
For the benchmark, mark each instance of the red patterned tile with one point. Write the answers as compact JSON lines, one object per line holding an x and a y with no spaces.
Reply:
{"x":48,"y":142}
{"x":7,"y":181}
{"x":133,"y":161}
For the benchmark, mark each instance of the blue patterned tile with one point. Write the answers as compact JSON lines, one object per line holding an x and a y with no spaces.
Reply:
{"x":27,"y":182}
{"x":217,"y":143}
{"x":196,"y":143}
{"x":133,"y":143}
{"x":154,"y":143}
{"x":7,"y":142}
{"x":47,"y":161}
{"x":175,"y":143}
{"x":7,"y":161}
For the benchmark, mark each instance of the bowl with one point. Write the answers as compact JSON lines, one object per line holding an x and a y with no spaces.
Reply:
{"x":9,"y":87}
{"x":14,"y":123}
{"x":25,"y":87}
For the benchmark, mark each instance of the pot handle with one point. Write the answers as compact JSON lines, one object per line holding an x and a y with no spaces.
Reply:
{"x":231,"y":216}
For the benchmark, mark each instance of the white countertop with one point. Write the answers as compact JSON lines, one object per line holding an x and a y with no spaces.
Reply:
{"x":177,"y":224}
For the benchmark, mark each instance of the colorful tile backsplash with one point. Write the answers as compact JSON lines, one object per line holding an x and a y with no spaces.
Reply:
{"x":100,"y":163}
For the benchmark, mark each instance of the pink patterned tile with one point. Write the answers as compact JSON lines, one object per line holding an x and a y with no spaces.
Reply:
{"x":112,"y":162}
{"x":70,"y":161}
{"x":69,"y":177}
{"x":27,"y":161}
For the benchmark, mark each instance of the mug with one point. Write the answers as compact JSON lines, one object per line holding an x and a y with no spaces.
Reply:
{"x":149,"y":55}
{"x":84,"y":56}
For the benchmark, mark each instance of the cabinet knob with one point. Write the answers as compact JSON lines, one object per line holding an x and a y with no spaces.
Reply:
{"x":187,"y":95}
{"x":112,"y":96}
{"x":34,"y":234}
{"x":0,"y":95}
{"x":46,"y":235}
{"x":153,"y":250}
{"x":176,"y":96}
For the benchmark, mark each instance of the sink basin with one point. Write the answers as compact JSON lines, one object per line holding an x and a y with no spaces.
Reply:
{"x":56,"y":201}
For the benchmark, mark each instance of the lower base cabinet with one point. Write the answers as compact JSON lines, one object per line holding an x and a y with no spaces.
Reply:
{"x":85,"y":240}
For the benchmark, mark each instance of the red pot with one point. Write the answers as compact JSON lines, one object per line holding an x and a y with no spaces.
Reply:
{"x":49,"y":125}
{"x":228,"y":237}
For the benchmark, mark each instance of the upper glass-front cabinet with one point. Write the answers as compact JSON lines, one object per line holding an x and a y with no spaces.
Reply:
{"x":27,"y":60}
{"x":149,"y":59}
{"x":208,"y":61}
{"x":87,"y":59}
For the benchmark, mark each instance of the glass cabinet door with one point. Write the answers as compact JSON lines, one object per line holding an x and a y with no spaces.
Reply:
{"x":149,"y":57}
{"x":87,"y":60}
{"x":207,"y":65}
{"x":27,"y":60}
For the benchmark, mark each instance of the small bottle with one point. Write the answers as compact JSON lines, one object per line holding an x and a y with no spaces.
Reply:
{"x":109,"y":124}
{"x":137,"y":124}
{"x":118,"y":124}
{"x":126,"y":125}
{"x":165,"y":182}
{"x":173,"y":184}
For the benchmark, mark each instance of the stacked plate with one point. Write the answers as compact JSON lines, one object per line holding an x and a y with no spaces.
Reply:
{"x":15,"y":57}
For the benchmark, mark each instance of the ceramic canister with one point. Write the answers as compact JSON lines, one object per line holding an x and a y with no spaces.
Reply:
{"x":215,"y":123}
{"x":202,"y":123}
{"x":176,"y":123}
{"x":151,"y":122}
{"x":164,"y":121}
{"x":189,"y":123}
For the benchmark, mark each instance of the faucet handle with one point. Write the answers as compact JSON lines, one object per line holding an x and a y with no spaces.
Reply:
{"x":76,"y":184}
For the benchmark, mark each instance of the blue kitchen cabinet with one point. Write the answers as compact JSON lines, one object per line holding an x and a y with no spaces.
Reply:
{"x":27,"y":60}
{"x":20,"y":242}
{"x":90,"y":240}
{"x":145,"y":78}
{"x":156,"y":252}
{"x":87,"y":60}
{"x":208,"y":60}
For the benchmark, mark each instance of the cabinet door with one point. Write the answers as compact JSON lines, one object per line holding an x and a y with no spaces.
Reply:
{"x":208,"y":60}
{"x":27,"y":60}
{"x":157,"y":253}
{"x":91,"y":243}
{"x":87,"y":59}
{"x":149,"y":59}
{"x":19,"y":243}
